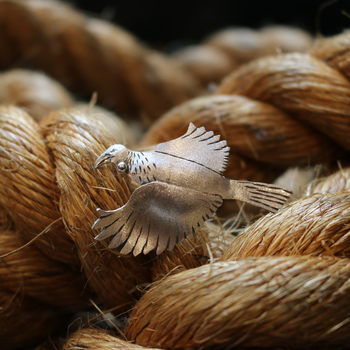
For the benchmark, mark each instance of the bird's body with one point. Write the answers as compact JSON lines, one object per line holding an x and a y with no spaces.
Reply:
{"x":146,"y":167}
{"x":181,"y":186}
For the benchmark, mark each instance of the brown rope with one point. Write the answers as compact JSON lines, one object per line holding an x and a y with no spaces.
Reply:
{"x":74,"y":138}
{"x":225,"y":50}
{"x":283,"y":97}
{"x":76,"y":141}
{"x":318,"y":225}
{"x":301,"y":85}
{"x":206,"y":63}
{"x":30,"y":273}
{"x":337,"y":182}
{"x":188,"y":254}
{"x":91,"y":55}
{"x":33,"y":91}
{"x":116,"y":127}
{"x":245,"y":44}
{"x":24,"y":322}
{"x":28,"y":189}
{"x":265,"y":302}
{"x":254,"y":130}
{"x":43,"y":179}
{"x":98,"y":339}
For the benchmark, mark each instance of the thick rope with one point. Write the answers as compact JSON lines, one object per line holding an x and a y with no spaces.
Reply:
{"x":337,"y":182}
{"x":31,"y":165}
{"x":76,"y":141}
{"x":33,"y":91}
{"x":28,"y":188}
{"x":304,"y":299}
{"x":318,"y":225}
{"x":292,"y":105}
{"x":264,"y":302}
{"x":30,"y":273}
{"x":246,"y":44}
{"x":74,"y":138}
{"x":225,"y":50}
{"x":256,"y":131}
{"x":305,"y":87}
{"x":91,"y":55}
{"x":24,"y":321}
{"x":98,"y":339}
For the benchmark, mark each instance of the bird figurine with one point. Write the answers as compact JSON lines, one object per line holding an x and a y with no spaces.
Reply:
{"x":181,"y":185}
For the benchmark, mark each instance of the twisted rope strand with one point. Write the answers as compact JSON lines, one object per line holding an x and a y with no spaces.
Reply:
{"x":267,"y":95}
{"x":314,"y":226}
{"x":268,"y":302}
{"x":28,"y":189}
{"x":91,"y":55}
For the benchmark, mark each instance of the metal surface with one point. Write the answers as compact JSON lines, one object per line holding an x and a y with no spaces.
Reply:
{"x":181,"y":186}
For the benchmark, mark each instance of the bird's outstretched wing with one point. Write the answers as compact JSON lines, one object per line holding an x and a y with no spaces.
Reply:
{"x":199,"y":146}
{"x":157,"y":216}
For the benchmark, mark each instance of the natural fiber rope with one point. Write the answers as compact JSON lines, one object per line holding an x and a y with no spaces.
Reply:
{"x":33,"y":91}
{"x":284,"y":97}
{"x":225,"y":50}
{"x":97,"y":65}
{"x":28,"y":188}
{"x":337,"y":182}
{"x":24,"y":321}
{"x":75,"y":140}
{"x":254,"y":130}
{"x":33,"y":286}
{"x":98,"y":339}
{"x":246,"y":44}
{"x":80,"y":149}
{"x":188,"y":254}
{"x":79,"y":122}
{"x":91,"y":55}
{"x":301,"y":85}
{"x":318,"y":225}
{"x":41,"y":13}
{"x":102,"y":339}
{"x":30,"y":273}
{"x":288,"y":301}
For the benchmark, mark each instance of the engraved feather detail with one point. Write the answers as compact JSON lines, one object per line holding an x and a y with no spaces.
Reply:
{"x":141,"y":225}
{"x":205,"y":148}
{"x":181,"y":186}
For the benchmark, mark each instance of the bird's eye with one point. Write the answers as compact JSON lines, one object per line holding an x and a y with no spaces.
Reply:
{"x":122,"y":167}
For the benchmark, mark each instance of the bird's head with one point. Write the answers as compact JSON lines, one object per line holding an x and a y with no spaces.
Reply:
{"x":117,"y":154}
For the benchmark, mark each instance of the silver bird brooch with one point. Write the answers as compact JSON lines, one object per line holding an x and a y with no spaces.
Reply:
{"x":181,"y":185}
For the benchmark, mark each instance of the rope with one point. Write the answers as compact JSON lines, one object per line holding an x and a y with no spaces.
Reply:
{"x":274,"y":112}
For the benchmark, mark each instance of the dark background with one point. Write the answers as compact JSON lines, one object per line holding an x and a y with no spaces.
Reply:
{"x":168,"y":23}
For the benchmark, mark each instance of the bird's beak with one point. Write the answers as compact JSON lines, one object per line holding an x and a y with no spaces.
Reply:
{"x":103,"y":159}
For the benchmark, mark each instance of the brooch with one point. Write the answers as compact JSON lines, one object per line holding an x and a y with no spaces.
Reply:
{"x":181,"y":185}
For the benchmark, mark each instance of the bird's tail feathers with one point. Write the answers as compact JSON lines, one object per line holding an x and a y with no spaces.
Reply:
{"x":263,"y":195}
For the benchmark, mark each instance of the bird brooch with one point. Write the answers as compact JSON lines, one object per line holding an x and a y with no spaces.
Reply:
{"x":181,"y":185}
